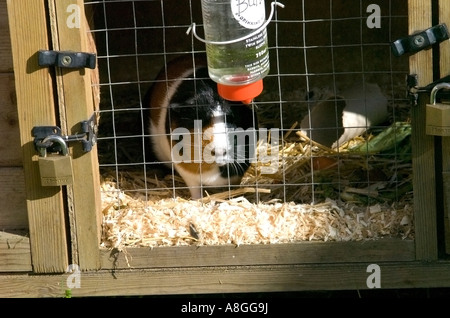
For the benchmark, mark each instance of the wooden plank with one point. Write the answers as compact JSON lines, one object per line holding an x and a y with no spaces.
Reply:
{"x":444,"y":47}
{"x":15,"y":253}
{"x":444,"y":51}
{"x":13,"y":210}
{"x":419,"y":19}
{"x":9,"y":123}
{"x":35,"y":104}
{"x":6,"y":64}
{"x":272,"y":254}
{"x":232,"y":279}
{"x":424,"y":186}
{"x":77,"y":103}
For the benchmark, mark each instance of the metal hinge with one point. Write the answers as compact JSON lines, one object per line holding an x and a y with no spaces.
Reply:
{"x":67,"y":59}
{"x":421,"y":40}
{"x":87,"y":135}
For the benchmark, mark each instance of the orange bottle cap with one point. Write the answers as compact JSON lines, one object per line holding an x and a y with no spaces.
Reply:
{"x":241,"y":93}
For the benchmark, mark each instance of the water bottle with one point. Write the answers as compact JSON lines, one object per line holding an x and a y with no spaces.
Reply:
{"x":236,"y":46}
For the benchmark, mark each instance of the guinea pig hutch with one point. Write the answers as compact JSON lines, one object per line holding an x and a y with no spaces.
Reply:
{"x":334,"y":201}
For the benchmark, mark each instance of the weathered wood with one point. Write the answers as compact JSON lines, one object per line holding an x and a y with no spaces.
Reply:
{"x":232,"y":279}
{"x":6,"y":64}
{"x":76,"y":103}
{"x":419,"y":19}
{"x":35,"y":104}
{"x":15,"y":253}
{"x":292,"y":253}
{"x":424,"y":185}
{"x":13,"y":209}
{"x":444,"y":52}
{"x":444,"y":47}
{"x":9,"y":124}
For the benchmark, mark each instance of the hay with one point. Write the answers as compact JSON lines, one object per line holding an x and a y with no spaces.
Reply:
{"x":278,"y":207}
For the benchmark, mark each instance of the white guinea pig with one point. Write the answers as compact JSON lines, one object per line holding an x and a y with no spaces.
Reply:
{"x":209,"y":141}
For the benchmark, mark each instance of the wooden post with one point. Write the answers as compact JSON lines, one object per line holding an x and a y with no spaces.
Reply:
{"x":424,"y":180}
{"x":35,"y":104}
{"x":444,"y":64}
{"x":77,"y":103}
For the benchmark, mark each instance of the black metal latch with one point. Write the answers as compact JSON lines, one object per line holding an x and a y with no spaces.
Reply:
{"x":87,"y":136}
{"x":67,"y":59}
{"x":414,"y":90}
{"x":421,"y":40}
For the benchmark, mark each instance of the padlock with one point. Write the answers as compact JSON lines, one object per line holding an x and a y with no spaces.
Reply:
{"x":55,"y":169}
{"x":438,"y":114}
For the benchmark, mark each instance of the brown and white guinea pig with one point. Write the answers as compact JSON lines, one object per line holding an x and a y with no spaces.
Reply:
{"x":209,"y":141}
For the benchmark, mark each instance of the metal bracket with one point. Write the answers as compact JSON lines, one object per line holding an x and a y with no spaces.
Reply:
{"x":421,"y":40}
{"x":67,"y":59}
{"x":87,"y":136}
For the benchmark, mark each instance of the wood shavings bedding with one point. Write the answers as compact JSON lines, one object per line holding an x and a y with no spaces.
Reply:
{"x":176,"y":222}
{"x":135,"y":214}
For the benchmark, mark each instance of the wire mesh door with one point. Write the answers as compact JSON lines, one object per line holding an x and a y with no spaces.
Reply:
{"x":333,"y":158}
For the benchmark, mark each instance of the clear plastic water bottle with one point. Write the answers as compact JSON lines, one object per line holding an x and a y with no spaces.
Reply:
{"x":236,"y":46}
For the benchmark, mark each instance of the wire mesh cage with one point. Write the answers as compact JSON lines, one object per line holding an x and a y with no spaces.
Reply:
{"x":333,"y":155}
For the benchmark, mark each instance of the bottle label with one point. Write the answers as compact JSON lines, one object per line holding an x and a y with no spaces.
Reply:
{"x":249,"y":13}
